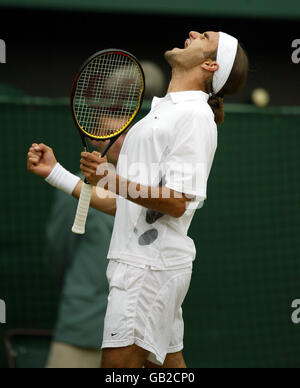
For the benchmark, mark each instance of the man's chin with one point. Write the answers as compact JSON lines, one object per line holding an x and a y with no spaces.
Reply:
{"x":171,"y":55}
{"x":174,"y":50}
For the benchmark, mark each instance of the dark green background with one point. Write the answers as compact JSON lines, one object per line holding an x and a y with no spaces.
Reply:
{"x":247,"y":273}
{"x":253,"y":8}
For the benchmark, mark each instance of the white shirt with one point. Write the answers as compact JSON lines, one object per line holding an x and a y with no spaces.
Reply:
{"x":173,"y":146}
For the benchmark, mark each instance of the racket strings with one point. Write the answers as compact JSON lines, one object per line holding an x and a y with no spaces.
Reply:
{"x":107,"y":94}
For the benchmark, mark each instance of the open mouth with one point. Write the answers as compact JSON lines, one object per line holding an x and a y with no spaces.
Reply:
{"x":187,"y":43}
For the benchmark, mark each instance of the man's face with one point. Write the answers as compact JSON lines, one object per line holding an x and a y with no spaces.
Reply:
{"x":196,"y":49}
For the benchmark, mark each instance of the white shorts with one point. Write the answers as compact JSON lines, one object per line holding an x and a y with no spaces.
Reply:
{"x":144,"y":308}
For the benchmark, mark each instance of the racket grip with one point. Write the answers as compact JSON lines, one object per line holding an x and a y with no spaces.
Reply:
{"x":82,"y":209}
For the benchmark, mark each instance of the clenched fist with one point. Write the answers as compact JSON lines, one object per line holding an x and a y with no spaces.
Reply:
{"x":40,"y":160}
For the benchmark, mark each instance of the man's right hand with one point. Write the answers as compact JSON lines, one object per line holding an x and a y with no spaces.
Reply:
{"x":40,"y":160}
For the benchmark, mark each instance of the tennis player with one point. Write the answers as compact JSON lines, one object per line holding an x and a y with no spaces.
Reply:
{"x":160,"y":180}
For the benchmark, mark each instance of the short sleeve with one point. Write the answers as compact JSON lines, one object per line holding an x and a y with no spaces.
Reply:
{"x":188,"y":162}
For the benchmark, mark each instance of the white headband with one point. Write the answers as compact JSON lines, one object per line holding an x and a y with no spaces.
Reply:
{"x":227,"y":51}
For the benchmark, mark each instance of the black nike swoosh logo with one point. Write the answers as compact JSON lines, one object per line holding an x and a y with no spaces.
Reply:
{"x":113,"y":334}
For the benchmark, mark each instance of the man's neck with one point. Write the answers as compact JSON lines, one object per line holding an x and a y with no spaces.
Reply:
{"x":186,"y":80}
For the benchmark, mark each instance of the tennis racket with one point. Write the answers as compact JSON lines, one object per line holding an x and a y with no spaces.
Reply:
{"x":106,"y":96}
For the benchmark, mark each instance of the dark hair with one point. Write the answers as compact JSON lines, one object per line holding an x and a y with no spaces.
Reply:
{"x":234,"y":84}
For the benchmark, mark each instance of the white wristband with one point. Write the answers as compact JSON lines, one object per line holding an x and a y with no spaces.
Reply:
{"x":62,"y":179}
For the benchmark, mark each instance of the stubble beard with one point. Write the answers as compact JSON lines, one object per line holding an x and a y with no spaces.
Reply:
{"x":171,"y":58}
{"x":168,"y":56}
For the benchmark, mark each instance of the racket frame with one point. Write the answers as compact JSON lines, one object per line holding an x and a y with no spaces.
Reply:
{"x":113,"y":138}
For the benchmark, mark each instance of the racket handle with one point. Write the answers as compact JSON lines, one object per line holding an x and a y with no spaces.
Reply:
{"x":82,"y":209}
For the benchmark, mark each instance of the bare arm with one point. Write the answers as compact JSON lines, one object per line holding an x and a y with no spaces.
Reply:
{"x":165,"y":201}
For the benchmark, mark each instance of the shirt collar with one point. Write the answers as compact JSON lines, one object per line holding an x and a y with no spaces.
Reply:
{"x":182,"y":96}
